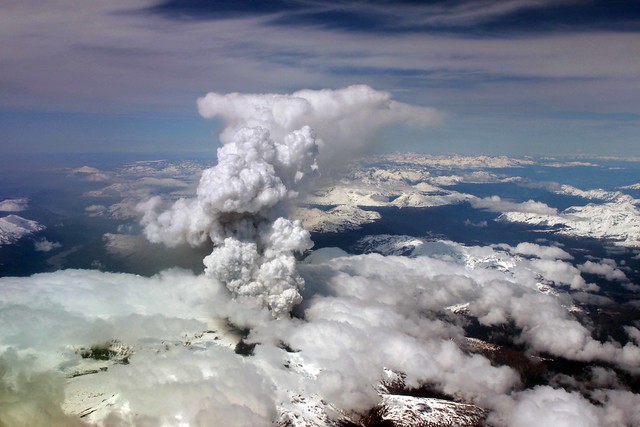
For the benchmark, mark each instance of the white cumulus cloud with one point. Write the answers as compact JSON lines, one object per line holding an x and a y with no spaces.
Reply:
{"x":14,"y":205}
{"x":45,"y":245}
{"x":610,"y":272}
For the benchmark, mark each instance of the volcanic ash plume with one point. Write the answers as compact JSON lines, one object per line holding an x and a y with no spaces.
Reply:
{"x":237,"y":207}
{"x":269,"y":155}
{"x":346,"y":120}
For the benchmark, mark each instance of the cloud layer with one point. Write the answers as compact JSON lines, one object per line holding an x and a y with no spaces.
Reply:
{"x":362,"y":316}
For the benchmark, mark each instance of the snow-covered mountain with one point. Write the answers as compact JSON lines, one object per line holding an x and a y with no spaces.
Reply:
{"x":399,"y":245}
{"x":340,"y":218}
{"x":632,"y":187}
{"x":90,"y":395}
{"x":402,"y":181}
{"x":458,"y":161}
{"x":14,"y":227}
{"x":597,"y":194}
{"x":400,"y":410}
{"x":618,"y":222}
{"x":390,"y":184}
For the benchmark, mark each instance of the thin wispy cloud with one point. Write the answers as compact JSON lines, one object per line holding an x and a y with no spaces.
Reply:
{"x":145,"y":56}
{"x":411,"y":15}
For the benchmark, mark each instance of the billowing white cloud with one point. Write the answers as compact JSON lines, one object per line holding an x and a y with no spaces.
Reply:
{"x":619,"y":407}
{"x":544,"y":405}
{"x":547,"y":406}
{"x":560,"y":272}
{"x":546,"y":324}
{"x":538,"y":251}
{"x":31,"y":396}
{"x":345,"y":120}
{"x":610,"y":272}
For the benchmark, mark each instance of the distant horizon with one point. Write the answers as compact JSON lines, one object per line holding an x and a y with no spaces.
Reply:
{"x":159,"y":155}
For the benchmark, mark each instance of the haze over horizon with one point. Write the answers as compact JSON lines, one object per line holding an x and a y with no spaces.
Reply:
{"x":510,"y":77}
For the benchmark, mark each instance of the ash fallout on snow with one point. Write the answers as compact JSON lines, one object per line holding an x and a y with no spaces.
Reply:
{"x":273,"y":145}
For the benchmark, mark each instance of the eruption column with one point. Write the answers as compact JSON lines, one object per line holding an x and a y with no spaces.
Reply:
{"x":238,"y":207}
{"x":269,"y":156}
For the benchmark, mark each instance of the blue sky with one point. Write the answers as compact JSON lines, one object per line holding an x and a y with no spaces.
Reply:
{"x":515,"y":77}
